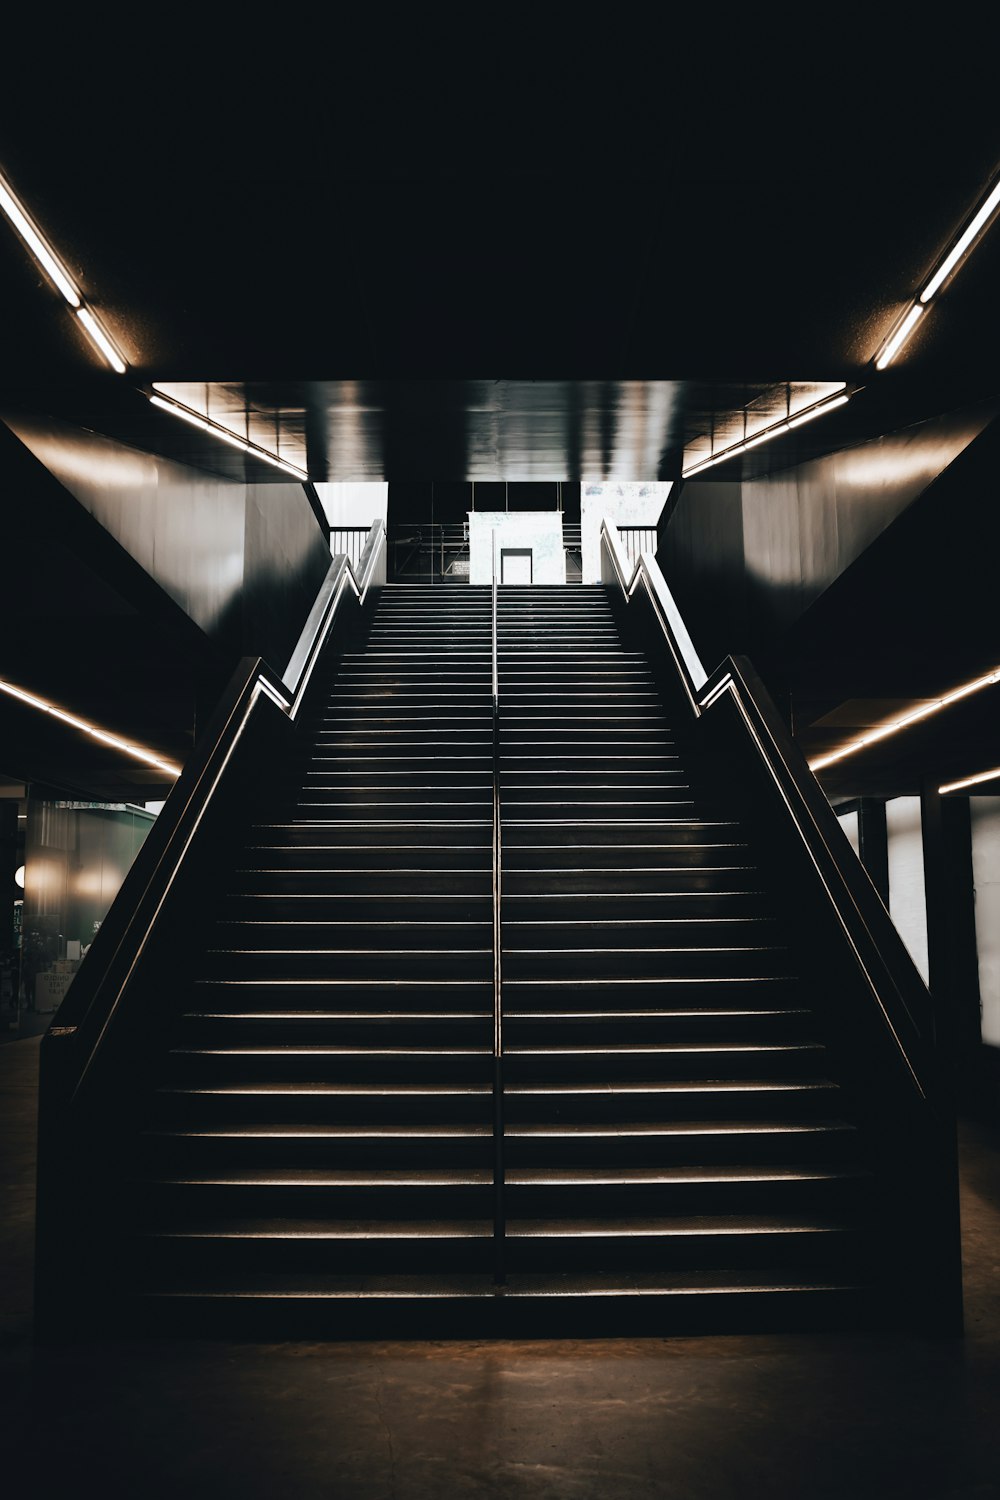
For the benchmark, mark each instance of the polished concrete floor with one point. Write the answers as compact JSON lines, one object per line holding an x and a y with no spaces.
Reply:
{"x":793,"y":1417}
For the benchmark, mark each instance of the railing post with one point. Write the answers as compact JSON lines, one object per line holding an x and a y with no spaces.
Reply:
{"x":499,"y":1214}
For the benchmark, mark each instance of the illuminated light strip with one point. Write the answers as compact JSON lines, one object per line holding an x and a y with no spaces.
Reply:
{"x":899,"y":336}
{"x":135,"y":751}
{"x":975,"y":227}
{"x":223,"y":433}
{"x":99,"y":336}
{"x":58,"y":274}
{"x":829,"y":403}
{"x":913,"y":717}
{"x":956,"y":786}
{"x":971,"y":232}
{"x":40,"y":249}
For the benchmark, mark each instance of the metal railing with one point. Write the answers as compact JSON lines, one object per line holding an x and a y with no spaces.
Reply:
{"x":350,"y":542}
{"x":879,"y":952}
{"x":95,"y":997}
{"x":438,"y":552}
{"x":636,"y":540}
{"x":499,"y":1210}
{"x":880,"y":1015}
{"x":428,"y":552}
{"x":115,"y":1011}
{"x":573,"y":549}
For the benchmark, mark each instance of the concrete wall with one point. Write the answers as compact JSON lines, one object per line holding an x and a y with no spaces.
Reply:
{"x":354,"y":504}
{"x":907,"y":892}
{"x":541,"y":531}
{"x":985,"y":817}
{"x":849,"y":823}
{"x":626,"y":504}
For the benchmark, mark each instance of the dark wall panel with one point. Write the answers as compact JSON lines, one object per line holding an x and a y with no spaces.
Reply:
{"x":746,"y":560}
{"x":701,"y":554}
{"x":243,"y":561}
{"x":184,"y":527}
{"x":285,"y":559}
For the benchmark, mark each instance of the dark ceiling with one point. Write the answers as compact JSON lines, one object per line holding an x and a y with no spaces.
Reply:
{"x":530,"y":256}
{"x":461,"y":244}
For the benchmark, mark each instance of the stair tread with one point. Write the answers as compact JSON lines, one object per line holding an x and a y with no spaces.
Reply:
{"x":705,"y":1012}
{"x":358,"y":1177}
{"x":329,"y":1229}
{"x":601,"y":1176}
{"x":680,"y":1128}
{"x":327,"y":1133}
{"x":388,"y":803}
{"x":683,"y":1086}
{"x":410,"y":1017}
{"x":520,"y":1228}
{"x":332,"y":1090}
{"x":469,"y":1286}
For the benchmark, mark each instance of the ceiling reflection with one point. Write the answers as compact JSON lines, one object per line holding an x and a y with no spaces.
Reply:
{"x":514,"y":430}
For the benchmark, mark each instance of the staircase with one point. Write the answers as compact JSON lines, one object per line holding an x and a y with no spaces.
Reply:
{"x":672,"y":1126}
{"x":317,"y":1153}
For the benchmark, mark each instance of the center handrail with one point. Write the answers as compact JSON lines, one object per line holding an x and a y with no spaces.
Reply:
{"x":499,"y":1213}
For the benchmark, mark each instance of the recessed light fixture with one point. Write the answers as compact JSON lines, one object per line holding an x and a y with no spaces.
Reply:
{"x":956,"y":786}
{"x":224,"y":435}
{"x":970,"y":234}
{"x":963,"y":244}
{"x":913,"y":717}
{"x":899,"y":336}
{"x":60,"y":277}
{"x":100,"y":338}
{"x":37,"y":244}
{"x":127,"y":747}
{"x":819,"y":409}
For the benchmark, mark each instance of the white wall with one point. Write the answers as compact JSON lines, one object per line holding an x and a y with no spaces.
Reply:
{"x":849,"y":823}
{"x":628,"y":504}
{"x":541,"y":530}
{"x":354,"y":504}
{"x":907,"y":898}
{"x":985,"y":814}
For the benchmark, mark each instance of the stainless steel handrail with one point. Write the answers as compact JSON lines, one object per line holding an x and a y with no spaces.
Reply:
{"x":90,"y":1004}
{"x":342,"y":574}
{"x":876,"y":947}
{"x":499,"y":1211}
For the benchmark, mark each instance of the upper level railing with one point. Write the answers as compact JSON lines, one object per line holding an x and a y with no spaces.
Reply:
{"x":97,"y":994}
{"x":438,"y":552}
{"x":349,"y":542}
{"x":635,"y":540}
{"x":878,"y":952}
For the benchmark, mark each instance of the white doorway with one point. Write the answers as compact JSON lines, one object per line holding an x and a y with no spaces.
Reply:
{"x":515,"y":565}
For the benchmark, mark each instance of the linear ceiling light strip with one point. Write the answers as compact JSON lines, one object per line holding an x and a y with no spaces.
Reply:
{"x":99,"y":336}
{"x":60,"y":277}
{"x":894,"y":726}
{"x":216,"y":430}
{"x":137,"y":752}
{"x":957,"y":786}
{"x":969,"y":236}
{"x":809,"y":414}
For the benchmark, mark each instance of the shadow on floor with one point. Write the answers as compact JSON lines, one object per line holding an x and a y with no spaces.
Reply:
{"x":792,"y":1417}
